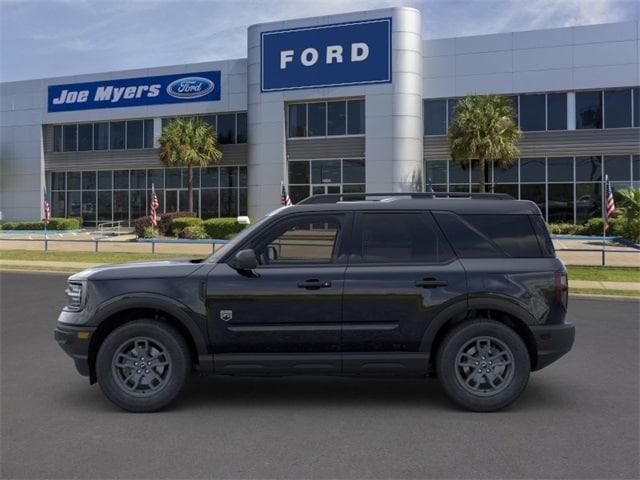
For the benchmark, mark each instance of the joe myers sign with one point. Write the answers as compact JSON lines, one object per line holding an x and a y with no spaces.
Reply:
{"x":351,"y":53}
{"x":133,"y":92}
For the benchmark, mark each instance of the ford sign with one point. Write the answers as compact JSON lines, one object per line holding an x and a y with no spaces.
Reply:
{"x":353,"y":53}
{"x":134,"y":92}
{"x":190,"y":87}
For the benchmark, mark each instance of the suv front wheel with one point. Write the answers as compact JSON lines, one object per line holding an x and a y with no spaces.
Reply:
{"x":483,"y":365}
{"x":142,"y":365}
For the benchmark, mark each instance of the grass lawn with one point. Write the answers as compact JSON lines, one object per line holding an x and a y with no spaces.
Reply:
{"x":604,"y":274}
{"x":600,"y":291}
{"x":85,"y":257}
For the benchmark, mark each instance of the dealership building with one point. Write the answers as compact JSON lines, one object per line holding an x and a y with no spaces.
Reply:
{"x":334,"y":104}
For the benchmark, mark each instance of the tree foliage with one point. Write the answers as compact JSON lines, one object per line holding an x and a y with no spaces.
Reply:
{"x":189,"y":143}
{"x":483,"y":129}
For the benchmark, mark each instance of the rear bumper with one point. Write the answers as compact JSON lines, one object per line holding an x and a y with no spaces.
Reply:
{"x":75,"y":343}
{"x":552,"y":342}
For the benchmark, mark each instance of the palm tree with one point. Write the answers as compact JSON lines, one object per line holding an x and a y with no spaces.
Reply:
{"x":630,"y":203}
{"x":484,"y":129}
{"x":189,"y":143}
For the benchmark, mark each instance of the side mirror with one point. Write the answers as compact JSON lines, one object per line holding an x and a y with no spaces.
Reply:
{"x":246,"y":260}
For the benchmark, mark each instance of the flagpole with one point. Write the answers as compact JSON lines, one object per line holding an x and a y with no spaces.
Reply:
{"x":604,"y":219}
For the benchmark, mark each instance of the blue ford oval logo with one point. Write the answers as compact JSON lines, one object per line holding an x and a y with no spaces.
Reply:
{"x":190,"y":87}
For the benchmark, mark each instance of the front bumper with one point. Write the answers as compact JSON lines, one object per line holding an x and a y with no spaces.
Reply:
{"x":75,"y":343}
{"x":552,"y":342}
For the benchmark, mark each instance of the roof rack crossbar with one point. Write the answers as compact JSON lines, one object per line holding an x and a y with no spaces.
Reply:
{"x":339,"y":197}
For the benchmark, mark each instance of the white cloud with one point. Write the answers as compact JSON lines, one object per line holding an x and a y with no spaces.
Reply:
{"x":60,"y":37}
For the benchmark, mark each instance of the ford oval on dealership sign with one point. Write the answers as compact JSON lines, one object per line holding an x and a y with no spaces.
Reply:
{"x":353,"y":53}
{"x":190,"y":87}
{"x":133,"y":92}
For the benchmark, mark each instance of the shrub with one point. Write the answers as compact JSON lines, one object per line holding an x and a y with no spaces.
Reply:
{"x":164,"y":225}
{"x":139,"y":224}
{"x":193,"y":232}
{"x":563,"y":228}
{"x":9,"y":225}
{"x":180,"y":223}
{"x":64,"y":223}
{"x":148,"y":232}
{"x":222,"y":228}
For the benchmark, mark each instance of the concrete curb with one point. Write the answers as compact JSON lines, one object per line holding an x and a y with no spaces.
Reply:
{"x":616,"y":298}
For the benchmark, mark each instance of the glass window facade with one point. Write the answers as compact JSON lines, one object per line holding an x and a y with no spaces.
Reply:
{"x":589,"y":109}
{"x":313,"y":177}
{"x":617,"y":108}
{"x":106,"y":195}
{"x":435,"y":117}
{"x":566,"y":189}
{"x":322,"y":119}
{"x":532,"y":112}
{"x":137,"y":134}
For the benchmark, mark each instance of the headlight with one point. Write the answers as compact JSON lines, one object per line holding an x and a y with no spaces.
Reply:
{"x":75,"y":296}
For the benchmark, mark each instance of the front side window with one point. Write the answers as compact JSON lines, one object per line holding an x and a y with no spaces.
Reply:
{"x":311,"y":239}
{"x":401,"y":238}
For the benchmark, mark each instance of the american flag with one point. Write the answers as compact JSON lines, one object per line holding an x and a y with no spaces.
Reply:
{"x":46,"y":208}
{"x":285,"y":199}
{"x":610,"y":204}
{"x":153,"y":207}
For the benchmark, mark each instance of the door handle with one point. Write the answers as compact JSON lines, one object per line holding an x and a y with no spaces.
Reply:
{"x":314,"y":284}
{"x":430,"y":283}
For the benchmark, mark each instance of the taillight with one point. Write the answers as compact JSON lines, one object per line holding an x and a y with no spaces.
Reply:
{"x":562,"y":288}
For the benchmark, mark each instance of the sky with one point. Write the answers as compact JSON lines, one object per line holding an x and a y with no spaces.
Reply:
{"x":49,"y":38}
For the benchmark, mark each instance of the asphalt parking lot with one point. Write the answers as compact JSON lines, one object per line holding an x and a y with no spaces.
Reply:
{"x":578,"y":418}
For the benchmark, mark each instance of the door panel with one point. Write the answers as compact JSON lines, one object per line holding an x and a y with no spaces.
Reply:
{"x":273,"y":311}
{"x":292,"y":302}
{"x":401,"y":275}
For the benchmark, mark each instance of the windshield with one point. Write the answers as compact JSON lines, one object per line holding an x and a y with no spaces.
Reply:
{"x":220,"y":252}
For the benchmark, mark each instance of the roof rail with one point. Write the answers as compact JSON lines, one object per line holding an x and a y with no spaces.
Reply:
{"x":342,"y":197}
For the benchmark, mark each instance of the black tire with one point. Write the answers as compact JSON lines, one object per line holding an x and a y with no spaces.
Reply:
{"x":121,"y":365}
{"x":468,"y":349}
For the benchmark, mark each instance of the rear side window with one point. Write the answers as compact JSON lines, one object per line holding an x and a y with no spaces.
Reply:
{"x":477,"y":236}
{"x":544,"y":239}
{"x":513,"y":234}
{"x":467,"y":241}
{"x":401,"y":238}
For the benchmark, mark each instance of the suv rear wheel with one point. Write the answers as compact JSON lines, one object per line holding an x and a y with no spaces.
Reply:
{"x":483,"y":365}
{"x":143,"y":365}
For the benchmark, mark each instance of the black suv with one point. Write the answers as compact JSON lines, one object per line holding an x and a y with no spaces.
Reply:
{"x":463,"y":287}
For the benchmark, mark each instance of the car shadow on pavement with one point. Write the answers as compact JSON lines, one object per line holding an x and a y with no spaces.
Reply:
{"x":206,"y":392}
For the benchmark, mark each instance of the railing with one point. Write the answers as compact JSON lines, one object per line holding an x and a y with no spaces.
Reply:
{"x":115,"y":224}
{"x":603,"y":252}
{"x":152,"y":241}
